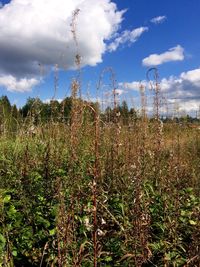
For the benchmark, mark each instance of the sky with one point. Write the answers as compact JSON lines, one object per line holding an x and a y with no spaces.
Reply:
{"x":129,"y":36}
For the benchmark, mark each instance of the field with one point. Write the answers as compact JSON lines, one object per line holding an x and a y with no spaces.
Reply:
{"x":94,"y":191}
{"x":99,"y":167}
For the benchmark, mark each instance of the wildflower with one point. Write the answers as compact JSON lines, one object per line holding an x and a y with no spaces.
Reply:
{"x":100,"y":232}
{"x":87,"y":224}
{"x":103,"y":221}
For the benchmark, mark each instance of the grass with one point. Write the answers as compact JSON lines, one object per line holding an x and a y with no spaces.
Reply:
{"x":100,"y":194}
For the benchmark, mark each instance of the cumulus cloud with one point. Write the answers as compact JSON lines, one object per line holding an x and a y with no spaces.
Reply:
{"x":158,"y":20}
{"x":126,"y":37}
{"x":183,"y":89}
{"x":190,"y":106}
{"x":20,"y":85}
{"x":135,"y":85}
{"x":173,"y":54}
{"x":119,"y":92}
{"x":192,"y":76}
{"x":34,"y":32}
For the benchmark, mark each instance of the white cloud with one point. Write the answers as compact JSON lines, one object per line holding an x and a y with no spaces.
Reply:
{"x":183,"y":90}
{"x":135,"y":85}
{"x":189,"y":106}
{"x":119,"y":91}
{"x":92,"y":99}
{"x":158,"y":20}
{"x":187,"y":83}
{"x":35,"y":31}
{"x":127,"y":37}
{"x":192,"y":76}
{"x":173,"y":54}
{"x":20,"y":85}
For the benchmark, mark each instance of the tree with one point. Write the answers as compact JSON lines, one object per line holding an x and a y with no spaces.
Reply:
{"x":124,"y":112}
{"x":26,"y":109}
{"x":5,"y":113}
{"x":133,"y":114}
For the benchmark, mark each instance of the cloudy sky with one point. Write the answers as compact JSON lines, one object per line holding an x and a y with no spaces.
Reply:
{"x":130,"y":36}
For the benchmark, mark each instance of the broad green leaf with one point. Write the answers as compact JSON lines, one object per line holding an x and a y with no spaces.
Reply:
{"x":7,"y":198}
{"x":192,"y":222}
{"x":52,"y":231}
{"x":14,"y":253}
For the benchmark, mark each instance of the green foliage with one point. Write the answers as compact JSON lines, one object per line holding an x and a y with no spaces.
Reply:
{"x":104,"y":185}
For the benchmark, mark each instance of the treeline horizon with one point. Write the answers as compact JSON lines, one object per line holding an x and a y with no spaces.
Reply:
{"x":60,"y":111}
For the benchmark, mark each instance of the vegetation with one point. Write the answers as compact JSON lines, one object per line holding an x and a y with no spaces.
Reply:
{"x":81,"y":187}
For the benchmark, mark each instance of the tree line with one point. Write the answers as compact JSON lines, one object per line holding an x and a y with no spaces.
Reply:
{"x":40,"y":112}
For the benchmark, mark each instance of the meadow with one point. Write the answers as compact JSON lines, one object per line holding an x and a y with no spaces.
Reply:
{"x":85,"y":187}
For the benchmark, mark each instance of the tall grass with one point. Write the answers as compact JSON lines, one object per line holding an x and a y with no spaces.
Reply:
{"x":96,"y":193}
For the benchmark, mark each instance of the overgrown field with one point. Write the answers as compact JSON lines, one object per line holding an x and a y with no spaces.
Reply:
{"x":98,"y":193}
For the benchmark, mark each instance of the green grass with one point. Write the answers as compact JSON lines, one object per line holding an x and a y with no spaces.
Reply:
{"x":146,"y":185}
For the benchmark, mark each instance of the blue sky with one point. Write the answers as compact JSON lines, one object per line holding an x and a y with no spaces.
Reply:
{"x":162,"y":34}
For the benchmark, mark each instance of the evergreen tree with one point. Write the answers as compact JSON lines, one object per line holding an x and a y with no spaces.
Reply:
{"x":124,"y":112}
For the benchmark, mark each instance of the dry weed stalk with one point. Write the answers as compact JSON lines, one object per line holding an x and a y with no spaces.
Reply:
{"x":140,"y":208}
{"x":66,"y":234}
{"x":157,"y":125}
{"x":114,"y":126}
{"x":77,"y":107}
{"x":76,"y":119}
{"x":95,"y":182}
{"x":144,"y":120}
{"x":77,"y":56}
